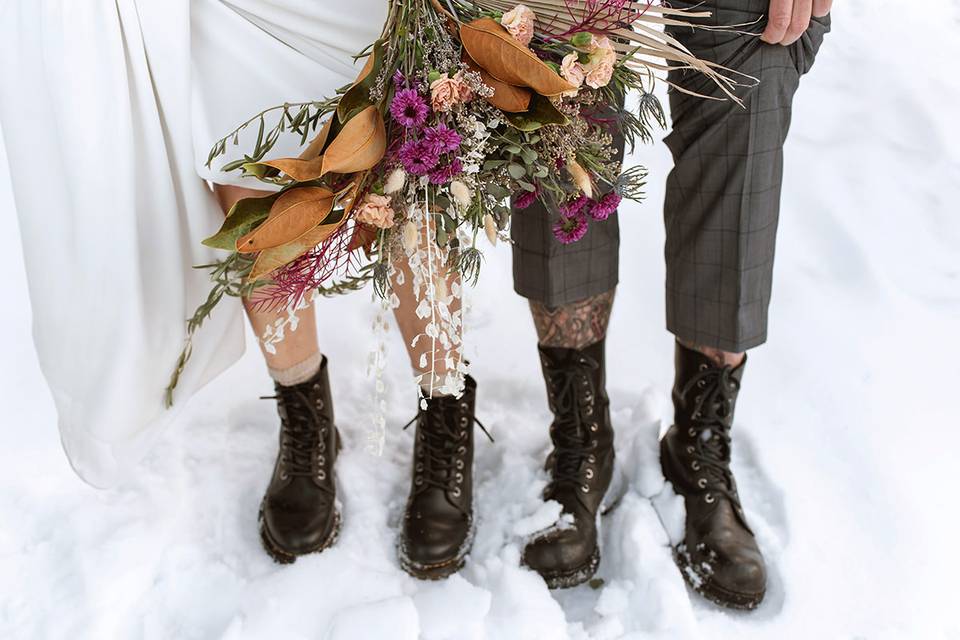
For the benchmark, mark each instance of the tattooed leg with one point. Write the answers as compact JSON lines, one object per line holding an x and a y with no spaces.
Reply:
{"x":720,"y":358}
{"x":575,"y":325}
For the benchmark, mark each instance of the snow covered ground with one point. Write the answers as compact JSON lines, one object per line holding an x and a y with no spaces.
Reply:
{"x":846,"y":444}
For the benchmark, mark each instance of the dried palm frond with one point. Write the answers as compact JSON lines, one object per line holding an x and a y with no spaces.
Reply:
{"x":637,"y":29}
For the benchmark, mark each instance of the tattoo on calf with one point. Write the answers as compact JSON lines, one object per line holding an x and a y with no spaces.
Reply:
{"x":575,"y":325}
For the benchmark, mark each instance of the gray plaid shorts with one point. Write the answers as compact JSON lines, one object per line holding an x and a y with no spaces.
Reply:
{"x":722,"y":196}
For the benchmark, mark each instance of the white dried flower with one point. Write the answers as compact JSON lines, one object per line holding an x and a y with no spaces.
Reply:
{"x":410,"y":237}
{"x":395,"y":181}
{"x":461,"y":193}
{"x":490,"y":228}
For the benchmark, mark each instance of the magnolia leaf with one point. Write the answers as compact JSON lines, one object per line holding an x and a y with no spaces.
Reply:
{"x":506,"y":97}
{"x":496,"y":51}
{"x":360,"y":144}
{"x":270,"y":260}
{"x":299,"y":170}
{"x":357,"y":97}
{"x":242,"y":217}
{"x":318,"y":144}
{"x":541,"y":112}
{"x":294,"y":213}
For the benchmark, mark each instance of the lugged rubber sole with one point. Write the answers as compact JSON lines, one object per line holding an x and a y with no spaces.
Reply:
{"x":437,"y":570}
{"x":702,"y":584}
{"x":281,"y":555}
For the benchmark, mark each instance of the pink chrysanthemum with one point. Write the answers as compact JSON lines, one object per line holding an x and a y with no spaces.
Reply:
{"x":574,"y":208}
{"x":409,"y":108}
{"x":446,"y":173}
{"x":606,"y":206}
{"x":416,"y":158}
{"x":524,"y":199}
{"x":441,"y":139}
{"x":569,"y":230}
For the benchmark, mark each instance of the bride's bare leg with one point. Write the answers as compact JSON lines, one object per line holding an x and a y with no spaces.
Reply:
{"x":297,"y":356}
{"x":297,"y":347}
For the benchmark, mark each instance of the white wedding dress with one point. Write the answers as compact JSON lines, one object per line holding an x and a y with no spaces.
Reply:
{"x":108,"y":109}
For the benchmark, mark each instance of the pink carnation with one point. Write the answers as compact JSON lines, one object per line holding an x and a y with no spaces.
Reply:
{"x":375,"y":210}
{"x":519,"y":23}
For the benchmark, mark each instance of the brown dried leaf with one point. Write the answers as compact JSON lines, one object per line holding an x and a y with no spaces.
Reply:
{"x":272,"y":259}
{"x":299,"y":170}
{"x":497,"y":52}
{"x":315,"y":148}
{"x":293,"y":214}
{"x":360,"y":144}
{"x":506,"y":97}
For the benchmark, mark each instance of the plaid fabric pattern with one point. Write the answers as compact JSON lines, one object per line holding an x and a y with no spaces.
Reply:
{"x":722,"y":197}
{"x":555,"y":274}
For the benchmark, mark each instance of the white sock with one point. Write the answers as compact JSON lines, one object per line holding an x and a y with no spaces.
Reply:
{"x":298,"y":373}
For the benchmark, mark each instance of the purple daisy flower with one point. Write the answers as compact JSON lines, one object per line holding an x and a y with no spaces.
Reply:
{"x":441,"y":139}
{"x":606,"y":206}
{"x":569,"y":230}
{"x":446,"y":173}
{"x":416,"y":158}
{"x":575,"y":207}
{"x":409,"y":108}
{"x":524,"y":199}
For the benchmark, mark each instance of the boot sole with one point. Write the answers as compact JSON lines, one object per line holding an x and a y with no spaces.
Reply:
{"x":713,"y":592}
{"x":695,"y":578}
{"x":577,"y":576}
{"x":281,"y":555}
{"x":437,"y":570}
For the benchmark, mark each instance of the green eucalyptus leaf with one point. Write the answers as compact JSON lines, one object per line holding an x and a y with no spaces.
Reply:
{"x":516,"y":171}
{"x":541,"y":112}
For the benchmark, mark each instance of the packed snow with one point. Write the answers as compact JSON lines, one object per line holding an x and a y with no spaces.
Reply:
{"x":846,"y":440}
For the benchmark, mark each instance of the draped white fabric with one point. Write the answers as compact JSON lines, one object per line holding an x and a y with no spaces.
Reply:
{"x":107,"y":109}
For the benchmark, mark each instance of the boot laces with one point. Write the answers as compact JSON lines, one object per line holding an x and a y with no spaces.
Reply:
{"x":712,"y":408}
{"x":571,"y":439}
{"x":303,"y":434}
{"x":442,"y":436}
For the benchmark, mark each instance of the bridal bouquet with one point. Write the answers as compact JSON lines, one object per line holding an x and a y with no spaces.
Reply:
{"x":462,"y":113}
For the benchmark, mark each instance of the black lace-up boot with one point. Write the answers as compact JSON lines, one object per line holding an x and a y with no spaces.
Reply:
{"x":719,"y":556}
{"x":437,"y":529}
{"x":298,"y":514}
{"x":580,"y":464}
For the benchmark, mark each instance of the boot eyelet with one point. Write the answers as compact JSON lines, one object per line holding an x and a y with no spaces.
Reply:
{"x":585,"y":488}
{"x":418,"y":467}
{"x":588,"y":411}
{"x":690,"y":449}
{"x":418,"y":481}
{"x":589,"y":474}
{"x":463,"y":421}
{"x":702,"y":483}
{"x":284,"y":475}
{"x":461,"y":450}
{"x":321,"y":460}
{"x":701,"y":383}
{"x":456,"y":492}
{"x":591,"y":458}
{"x":321,"y":475}
{"x":320,"y":405}
{"x":703,"y":367}
{"x":698,"y":398}
{"x":594,"y":427}
{"x":691,"y":432}
{"x":464,"y":406}
{"x":709,"y":499}
{"x":695,"y":465}
{"x":460,"y":464}
{"x":459,"y":477}
{"x":696,"y":415}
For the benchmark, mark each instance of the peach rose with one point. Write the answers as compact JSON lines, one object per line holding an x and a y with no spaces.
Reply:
{"x":466,"y":93}
{"x":375,"y":210}
{"x":519,"y":22}
{"x":599,"y":69}
{"x":447,"y":92}
{"x":572,"y":71}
